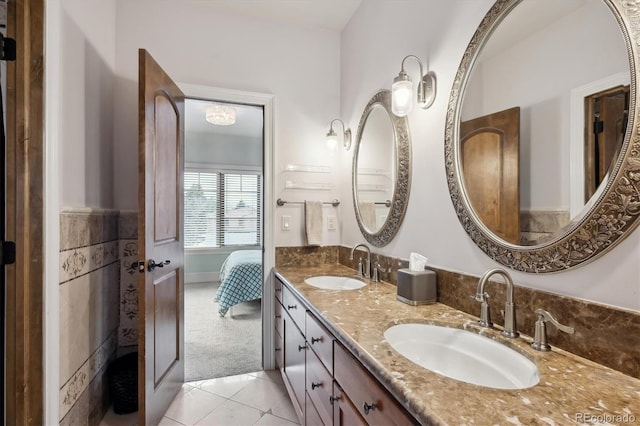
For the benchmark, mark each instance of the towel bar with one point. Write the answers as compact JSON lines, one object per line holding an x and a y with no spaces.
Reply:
{"x":280,"y":202}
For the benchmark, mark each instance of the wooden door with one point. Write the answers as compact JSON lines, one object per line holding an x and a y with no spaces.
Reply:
{"x":606,"y":116}
{"x":490,"y":148}
{"x":160,"y":241}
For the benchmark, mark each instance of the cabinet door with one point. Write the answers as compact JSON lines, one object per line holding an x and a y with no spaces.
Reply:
{"x":319,"y":387}
{"x":372,"y":401}
{"x":312,"y":418}
{"x":294,"y":359}
{"x":344,"y":413}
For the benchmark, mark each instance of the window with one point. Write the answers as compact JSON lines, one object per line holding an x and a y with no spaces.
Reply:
{"x":222,"y":209}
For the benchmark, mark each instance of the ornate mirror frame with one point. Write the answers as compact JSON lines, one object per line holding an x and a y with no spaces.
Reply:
{"x":400,"y":200}
{"x":606,"y":220}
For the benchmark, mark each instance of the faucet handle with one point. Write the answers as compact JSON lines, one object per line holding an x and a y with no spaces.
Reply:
{"x":540,"y":338}
{"x":376,"y":271}
{"x":485,"y":313}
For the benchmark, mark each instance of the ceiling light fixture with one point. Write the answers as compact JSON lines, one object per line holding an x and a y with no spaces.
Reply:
{"x":402,"y":90}
{"x":332,"y":137}
{"x":221,"y":115}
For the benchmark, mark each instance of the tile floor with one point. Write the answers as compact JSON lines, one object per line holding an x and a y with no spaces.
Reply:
{"x":248,"y":399}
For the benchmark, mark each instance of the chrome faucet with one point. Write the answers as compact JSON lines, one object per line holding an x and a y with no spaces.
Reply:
{"x":509,"y":307}
{"x":364,"y":270}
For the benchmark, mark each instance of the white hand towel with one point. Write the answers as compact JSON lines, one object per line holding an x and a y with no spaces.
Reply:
{"x":368,"y":215}
{"x":313,"y":222}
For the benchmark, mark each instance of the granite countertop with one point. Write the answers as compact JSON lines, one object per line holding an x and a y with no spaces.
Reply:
{"x":572,"y":390}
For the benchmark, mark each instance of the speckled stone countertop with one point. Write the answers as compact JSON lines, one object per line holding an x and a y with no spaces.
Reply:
{"x":572,"y":390}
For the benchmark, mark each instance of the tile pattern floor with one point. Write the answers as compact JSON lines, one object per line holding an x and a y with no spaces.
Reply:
{"x":248,"y":399}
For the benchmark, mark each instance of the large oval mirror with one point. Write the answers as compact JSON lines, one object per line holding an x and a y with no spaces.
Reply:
{"x":381,"y":170}
{"x":538,"y":149}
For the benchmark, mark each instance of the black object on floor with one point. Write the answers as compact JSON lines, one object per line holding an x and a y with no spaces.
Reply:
{"x":123,"y":383}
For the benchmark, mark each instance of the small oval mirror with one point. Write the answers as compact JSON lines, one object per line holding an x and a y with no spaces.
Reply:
{"x":381,"y":170}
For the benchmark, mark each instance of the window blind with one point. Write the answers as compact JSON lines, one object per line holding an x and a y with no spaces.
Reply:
{"x":222,"y":209}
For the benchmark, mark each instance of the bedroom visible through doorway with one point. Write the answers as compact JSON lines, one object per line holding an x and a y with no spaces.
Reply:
{"x":224,"y":212}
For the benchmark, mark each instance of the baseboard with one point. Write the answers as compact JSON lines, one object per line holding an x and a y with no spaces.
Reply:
{"x":201,"y":277}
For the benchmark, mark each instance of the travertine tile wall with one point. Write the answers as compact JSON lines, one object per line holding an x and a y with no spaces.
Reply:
{"x":89,"y":314}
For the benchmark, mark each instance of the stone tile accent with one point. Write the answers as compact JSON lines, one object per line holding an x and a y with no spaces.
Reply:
{"x":128,"y":328}
{"x":306,"y":256}
{"x":75,"y":389}
{"x":89,"y":294}
{"x":82,"y":260}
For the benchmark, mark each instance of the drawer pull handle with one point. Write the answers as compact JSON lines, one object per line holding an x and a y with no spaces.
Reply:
{"x":277,"y":349}
{"x":278,"y":316}
{"x":315,"y":385}
{"x":368,"y":407}
{"x":333,"y":399}
{"x":278,"y":290}
{"x":300,"y":348}
{"x":316,"y":340}
{"x":292,"y":306}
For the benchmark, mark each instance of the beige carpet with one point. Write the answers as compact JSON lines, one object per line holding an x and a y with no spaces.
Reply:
{"x":220,"y":346}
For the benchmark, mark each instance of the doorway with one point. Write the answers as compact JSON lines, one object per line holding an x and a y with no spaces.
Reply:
{"x":224,"y":211}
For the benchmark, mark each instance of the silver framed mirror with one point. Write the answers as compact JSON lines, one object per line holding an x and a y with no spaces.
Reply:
{"x":381,"y":172}
{"x":605,"y":215}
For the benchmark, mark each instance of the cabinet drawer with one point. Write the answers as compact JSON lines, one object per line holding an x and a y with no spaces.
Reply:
{"x":319,"y":387}
{"x":344,"y":413}
{"x":293,"y":307}
{"x":279,"y":318}
{"x":372,"y":401}
{"x":277,"y":289}
{"x":320,"y":340}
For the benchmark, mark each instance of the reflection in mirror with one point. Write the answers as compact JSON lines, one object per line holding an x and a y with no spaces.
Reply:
{"x":519,"y":167}
{"x":376,"y":171}
{"x":589,"y":189}
{"x":381,"y":173}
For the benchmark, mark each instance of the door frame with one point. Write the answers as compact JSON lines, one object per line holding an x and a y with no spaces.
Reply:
{"x":576,"y":139}
{"x":267,"y":102}
{"x":25,"y":280}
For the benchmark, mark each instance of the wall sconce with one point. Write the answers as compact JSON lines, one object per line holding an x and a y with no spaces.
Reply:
{"x":332,"y":137}
{"x":402,"y":90}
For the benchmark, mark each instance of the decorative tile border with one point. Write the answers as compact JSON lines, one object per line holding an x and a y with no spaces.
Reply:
{"x":85,"y":227}
{"x":128,"y":328}
{"x":71,"y":391}
{"x":80,"y":261}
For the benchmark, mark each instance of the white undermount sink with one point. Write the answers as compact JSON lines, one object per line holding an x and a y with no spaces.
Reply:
{"x":463,"y":356}
{"x":330,"y":282}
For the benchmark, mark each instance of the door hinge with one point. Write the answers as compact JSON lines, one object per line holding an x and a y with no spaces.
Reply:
{"x":7,"y":253}
{"x":7,"y":48}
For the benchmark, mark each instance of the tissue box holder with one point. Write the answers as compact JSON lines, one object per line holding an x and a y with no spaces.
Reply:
{"x":417,"y":287}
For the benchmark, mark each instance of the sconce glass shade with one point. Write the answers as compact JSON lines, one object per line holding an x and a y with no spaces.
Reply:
{"x":332,"y":140}
{"x":332,"y":137}
{"x":402,"y":95}
{"x":402,"y":90}
{"x":221,"y":115}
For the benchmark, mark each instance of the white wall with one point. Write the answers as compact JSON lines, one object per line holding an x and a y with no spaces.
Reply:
{"x":438,"y":32}
{"x":86,"y":128}
{"x":197,"y":45}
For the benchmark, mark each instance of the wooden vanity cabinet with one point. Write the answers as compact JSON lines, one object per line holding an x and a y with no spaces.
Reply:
{"x":327,"y":385}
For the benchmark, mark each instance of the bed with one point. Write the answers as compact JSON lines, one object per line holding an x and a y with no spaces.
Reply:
{"x":240,"y":279}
